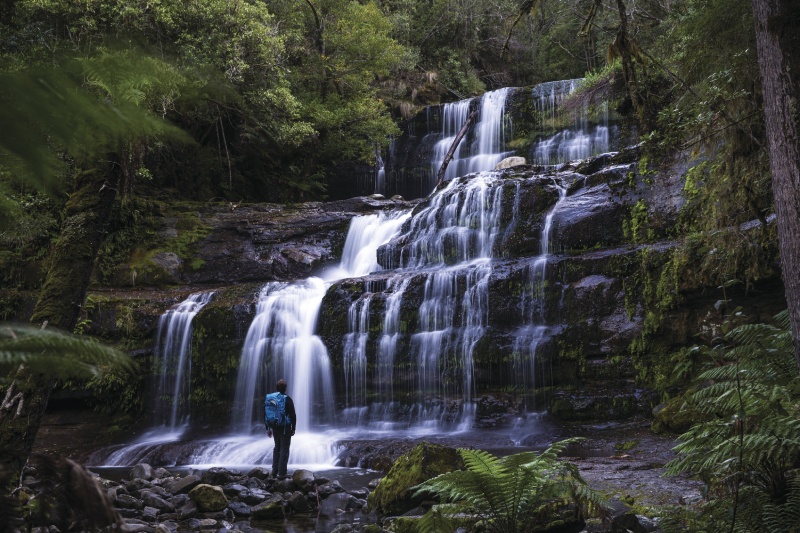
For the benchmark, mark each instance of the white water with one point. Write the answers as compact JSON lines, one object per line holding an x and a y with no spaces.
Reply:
{"x":529,"y":336}
{"x":489,"y":136}
{"x":586,"y":137}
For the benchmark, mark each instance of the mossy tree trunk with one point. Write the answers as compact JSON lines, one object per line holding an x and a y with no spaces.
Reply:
{"x":778,"y":47}
{"x":70,"y":266}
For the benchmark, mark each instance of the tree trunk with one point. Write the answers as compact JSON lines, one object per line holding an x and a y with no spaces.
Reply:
{"x":778,"y":47}
{"x":71,"y":261}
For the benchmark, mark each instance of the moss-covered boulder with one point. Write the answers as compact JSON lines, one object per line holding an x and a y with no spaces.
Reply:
{"x":393,"y":495}
{"x":208,"y":498}
{"x":674,"y":416}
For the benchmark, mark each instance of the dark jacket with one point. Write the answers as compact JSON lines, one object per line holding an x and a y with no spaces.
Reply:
{"x":290,"y":412}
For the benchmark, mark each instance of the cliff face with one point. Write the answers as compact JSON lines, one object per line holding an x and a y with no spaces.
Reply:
{"x":582,"y":326}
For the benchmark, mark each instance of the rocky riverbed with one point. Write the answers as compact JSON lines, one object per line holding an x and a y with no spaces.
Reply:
{"x":623,"y":460}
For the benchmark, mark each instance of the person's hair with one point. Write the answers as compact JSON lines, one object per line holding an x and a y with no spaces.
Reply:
{"x":281,"y":386}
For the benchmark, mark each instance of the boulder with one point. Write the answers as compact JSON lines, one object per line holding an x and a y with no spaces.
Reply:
{"x":182,"y":485}
{"x":299,"y":503}
{"x":142,"y":471}
{"x":267,"y":510}
{"x":126,"y":501}
{"x":153,"y":500}
{"x":220,"y":476}
{"x":509,"y":162}
{"x":393,"y":495}
{"x":303,"y":479}
{"x":209,"y":498}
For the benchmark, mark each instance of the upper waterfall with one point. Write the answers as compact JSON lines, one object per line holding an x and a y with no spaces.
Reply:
{"x":531,"y":123}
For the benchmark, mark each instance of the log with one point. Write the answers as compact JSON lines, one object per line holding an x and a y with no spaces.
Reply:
{"x":452,"y":150}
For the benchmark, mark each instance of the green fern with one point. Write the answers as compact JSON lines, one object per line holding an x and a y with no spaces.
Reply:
{"x":747,"y":447}
{"x":512,"y":494}
{"x":56,"y":354}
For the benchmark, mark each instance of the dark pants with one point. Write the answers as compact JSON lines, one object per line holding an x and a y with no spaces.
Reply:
{"x":280,"y":456}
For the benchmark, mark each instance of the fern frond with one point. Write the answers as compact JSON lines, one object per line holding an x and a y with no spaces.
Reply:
{"x":55,"y":353}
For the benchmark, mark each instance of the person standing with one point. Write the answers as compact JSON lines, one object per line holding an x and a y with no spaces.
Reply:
{"x":280,"y":429}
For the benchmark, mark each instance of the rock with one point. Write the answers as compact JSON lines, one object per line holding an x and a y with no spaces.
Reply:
{"x":284,"y":485}
{"x":303,"y":479}
{"x":270,"y":509}
{"x":153,"y":500}
{"x":359,"y":493}
{"x":233,"y":489}
{"x":339,"y":502}
{"x":674,"y":416}
{"x":220,"y":476}
{"x":163,"y":528}
{"x":393,"y":495}
{"x":183,"y":485}
{"x":209,"y":498}
{"x":627,"y":523}
{"x":259,"y":473}
{"x":253,"y":497}
{"x":126,"y":501}
{"x":239,"y":508}
{"x":150,"y":513}
{"x":509,"y":162}
{"x":196,"y":524}
{"x":161,"y":473}
{"x":188,"y":510}
{"x":329,"y":488}
{"x":142,"y":471}
{"x":136,"y":526}
{"x":137,"y":484}
{"x":299,"y":503}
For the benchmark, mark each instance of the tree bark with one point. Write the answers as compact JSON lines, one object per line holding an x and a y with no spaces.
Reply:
{"x":778,"y":48}
{"x":71,"y":261}
{"x":452,"y":150}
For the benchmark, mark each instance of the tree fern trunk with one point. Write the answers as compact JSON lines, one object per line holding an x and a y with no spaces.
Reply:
{"x":71,"y":261}
{"x":778,"y":47}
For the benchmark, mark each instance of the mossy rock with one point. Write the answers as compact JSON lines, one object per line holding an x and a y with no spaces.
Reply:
{"x":674,"y":416}
{"x":393,"y":495}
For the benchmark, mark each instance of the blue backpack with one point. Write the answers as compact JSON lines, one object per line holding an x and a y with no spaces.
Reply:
{"x":275,"y":410}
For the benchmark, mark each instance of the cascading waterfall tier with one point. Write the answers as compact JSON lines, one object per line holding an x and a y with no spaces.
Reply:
{"x":411,"y":165}
{"x":578,"y":133}
{"x":173,"y":361}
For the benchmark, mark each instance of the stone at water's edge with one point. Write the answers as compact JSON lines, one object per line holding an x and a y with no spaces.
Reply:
{"x":208,"y":498}
{"x":509,"y":162}
{"x":393,"y":495}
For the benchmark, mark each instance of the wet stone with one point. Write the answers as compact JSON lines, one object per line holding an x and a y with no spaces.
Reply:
{"x":239,"y":508}
{"x":149,"y":514}
{"x":126,"y":501}
{"x":329,"y":488}
{"x":299,"y":503}
{"x":142,"y":471}
{"x":188,"y":510}
{"x":183,"y":485}
{"x":158,"y":502}
{"x":233,"y":489}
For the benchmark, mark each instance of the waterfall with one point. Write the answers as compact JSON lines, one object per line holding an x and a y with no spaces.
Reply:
{"x":489,"y":136}
{"x":588,"y":135}
{"x":530,"y":335}
{"x":173,"y":361}
{"x":281,"y":341}
{"x":281,"y":344}
{"x":451,"y":241}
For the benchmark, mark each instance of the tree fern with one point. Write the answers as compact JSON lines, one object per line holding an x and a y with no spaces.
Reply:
{"x":511,"y":494}
{"x":747,"y":448}
{"x":54,"y":353}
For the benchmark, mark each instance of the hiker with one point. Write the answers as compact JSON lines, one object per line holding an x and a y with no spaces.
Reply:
{"x":281,"y":421}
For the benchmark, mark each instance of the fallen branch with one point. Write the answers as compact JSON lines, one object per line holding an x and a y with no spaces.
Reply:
{"x":452,"y":150}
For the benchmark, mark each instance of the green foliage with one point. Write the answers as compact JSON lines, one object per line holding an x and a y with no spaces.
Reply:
{"x":86,"y":107}
{"x":747,"y":447}
{"x":516,"y":493}
{"x":57,"y":354}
